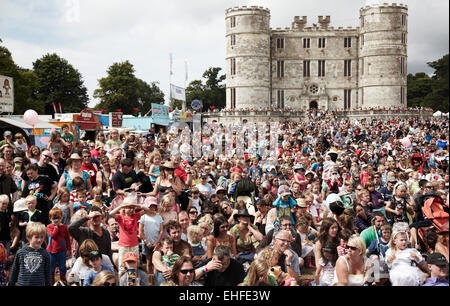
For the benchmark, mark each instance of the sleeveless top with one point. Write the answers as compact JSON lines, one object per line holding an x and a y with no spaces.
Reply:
{"x":353,"y":279}
{"x":156,"y":171}
{"x":68,"y":179}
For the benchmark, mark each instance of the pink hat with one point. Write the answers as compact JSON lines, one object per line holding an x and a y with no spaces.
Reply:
{"x":150,"y":201}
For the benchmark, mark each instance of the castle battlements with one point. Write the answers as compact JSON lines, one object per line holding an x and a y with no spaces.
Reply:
{"x":385,"y":5}
{"x":246,"y":8}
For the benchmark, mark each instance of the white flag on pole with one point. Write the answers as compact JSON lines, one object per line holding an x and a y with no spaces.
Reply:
{"x":171,"y":60}
{"x":178,"y":93}
{"x":186,"y":71}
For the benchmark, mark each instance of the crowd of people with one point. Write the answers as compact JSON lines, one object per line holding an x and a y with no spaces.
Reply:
{"x":341,"y":204}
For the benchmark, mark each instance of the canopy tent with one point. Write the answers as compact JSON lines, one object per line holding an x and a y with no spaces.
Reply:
{"x":20,"y":123}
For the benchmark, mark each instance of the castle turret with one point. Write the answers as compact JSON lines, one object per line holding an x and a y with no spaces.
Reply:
{"x":383,"y":55}
{"x":248,"y":57}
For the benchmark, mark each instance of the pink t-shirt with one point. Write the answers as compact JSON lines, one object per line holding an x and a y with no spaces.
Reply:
{"x":128,"y":230}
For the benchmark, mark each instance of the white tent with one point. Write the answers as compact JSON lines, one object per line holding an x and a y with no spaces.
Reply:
{"x":437,"y":114}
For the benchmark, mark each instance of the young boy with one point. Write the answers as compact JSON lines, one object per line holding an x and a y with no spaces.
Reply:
{"x":96,"y":263}
{"x":133,"y":276}
{"x":379,"y":246}
{"x":284,"y":203}
{"x":78,"y":184}
{"x":31,"y":266}
{"x":58,"y":243}
{"x":66,"y":134}
{"x":168,"y":256}
{"x":81,"y":202}
{"x":29,"y":216}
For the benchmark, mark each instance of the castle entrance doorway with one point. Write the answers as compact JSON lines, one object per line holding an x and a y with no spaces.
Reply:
{"x":313,"y":105}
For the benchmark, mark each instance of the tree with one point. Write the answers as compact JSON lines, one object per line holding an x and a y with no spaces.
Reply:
{"x":438,"y":97}
{"x":60,"y":82}
{"x":419,"y":86}
{"x":122,"y":90}
{"x":212,"y":94}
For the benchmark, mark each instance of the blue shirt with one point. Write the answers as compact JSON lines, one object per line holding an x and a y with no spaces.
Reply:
{"x":92,"y":275}
{"x":284,"y":208}
{"x":436,"y":282}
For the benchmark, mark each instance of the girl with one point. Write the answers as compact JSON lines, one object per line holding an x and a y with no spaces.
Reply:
{"x":195,"y":235}
{"x":325,"y":270}
{"x":155,"y":162}
{"x":398,"y":206}
{"x":400,"y":259}
{"x":64,"y":204}
{"x":166,"y":210}
{"x":258,"y":274}
{"x":97,"y":194}
{"x":34,"y":154}
{"x":150,"y":231}
{"x":128,"y":227}
{"x":303,"y":229}
{"x":314,"y":209}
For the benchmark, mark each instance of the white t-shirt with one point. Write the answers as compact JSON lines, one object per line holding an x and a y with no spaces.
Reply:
{"x":81,"y":270}
{"x":206,"y":190}
{"x":20,"y":147}
{"x":152,"y":225}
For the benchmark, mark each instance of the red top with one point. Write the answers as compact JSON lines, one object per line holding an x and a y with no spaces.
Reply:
{"x":179,"y":172}
{"x":92,"y":169}
{"x":58,"y":238}
{"x":128,"y":230}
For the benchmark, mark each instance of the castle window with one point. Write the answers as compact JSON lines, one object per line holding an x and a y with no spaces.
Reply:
{"x":362,"y":66}
{"x":280,"y":43}
{"x":233,"y":66}
{"x":280,"y":69}
{"x":314,"y":89}
{"x":403,"y":38}
{"x":347,"y":98}
{"x":233,"y":39}
{"x":306,"y":68}
{"x":347,"y":68}
{"x":280,"y":98}
{"x":321,"y":42}
{"x":347,"y":42}
{"x":233,"y":97}
{"x":306,"y":43}
{"x":403,"y":20}
{"x":321,"y":71}
{"x":362,"y":40}
{"x":232,"y":21}
{"x":402,"y":66}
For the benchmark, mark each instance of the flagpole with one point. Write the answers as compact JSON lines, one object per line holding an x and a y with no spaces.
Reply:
{"x":183,"y":107}
{"x":170,"y":79}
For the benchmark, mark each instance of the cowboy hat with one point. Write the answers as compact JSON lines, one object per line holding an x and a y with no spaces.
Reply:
{"x":168,"y":165}
{"x":73,"y":156}
{"x":243,"y":213}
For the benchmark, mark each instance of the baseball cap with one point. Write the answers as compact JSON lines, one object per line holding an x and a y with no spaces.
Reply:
{"x":7,"y":133}
{"x":149,"y":201}
{"x":130,"y":256}
{"x":55,"y":150}
{"x":392,"y":180}
{"x":437,"y":259}
{"x":283,"y":190}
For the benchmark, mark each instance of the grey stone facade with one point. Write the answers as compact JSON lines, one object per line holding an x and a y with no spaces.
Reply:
{"x":362,"y":67}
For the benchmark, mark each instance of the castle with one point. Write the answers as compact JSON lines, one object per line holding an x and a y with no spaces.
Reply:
{"x":305,"y":67}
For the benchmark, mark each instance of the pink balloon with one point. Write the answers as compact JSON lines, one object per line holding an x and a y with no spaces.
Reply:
{"x":31,"y":117}
{"x":44,"y":140}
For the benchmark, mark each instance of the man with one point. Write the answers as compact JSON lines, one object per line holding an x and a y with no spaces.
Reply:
{"x":94,"y":231}
{"x":180,"y":247}
{"x":370,"y":233}
{"x":286,"y":259}
{"x":221,"y":269}
{"x":438,"y":266}
{"x":59,"y":163}
{"x":125,"y":177}
{"x":7,"y":185}
{"x":7,"y":152}
{"x":7,"y":139}
{"x":285,"y":224}
{"x":44,"y":167}
{"x":42,"y":187}
{"x":183,"y":219}
{"x":90,"y":167}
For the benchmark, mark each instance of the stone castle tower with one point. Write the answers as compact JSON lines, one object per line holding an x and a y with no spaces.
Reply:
{"x":316,"y":66}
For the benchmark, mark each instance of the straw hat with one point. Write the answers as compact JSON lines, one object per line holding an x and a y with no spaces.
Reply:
{"x":168,"y":165}
{"x":73,"y":156}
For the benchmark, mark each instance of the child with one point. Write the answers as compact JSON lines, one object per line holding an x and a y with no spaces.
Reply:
{"x":133,"y":276}
{"x":97,"y":194}
{"x":128,"y":227}
{"x":327,"y":263}
{"x":317,"y":201}
{"x":31,"y":266}
{"x":58,"y":243}
{"x":64,"y":205}
{"x":29,"y":216}
{"x":379,"y":246}
{"x":154,"y":171}
{"x":344,"y":236}
{"x":6,"y":221}
{"x":168,"y":257}
{"x":81,"y":202}
{"x":195,"y":235}
{"x":311,"y":209}
{"x":364,"y":199}
{"x":166,"y":210}
{"x":78,"y":184}
{"x":400,"y":259}
{"x":66,"y":134}
{"x":195,"y":200}
{"x":150,"y":231}
{"x":96,"y":263}
{"x":398,"y":206}
{"x":284,"y":203}
{"x":303,"y":229}
{"x":348,"y":196}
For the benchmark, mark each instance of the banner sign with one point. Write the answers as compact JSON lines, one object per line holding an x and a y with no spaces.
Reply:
{"x":177,"y":93}
{"x":160,"y":114}
{"x":6,"y":94}
{"x":115,"y":119}
{"x":86,"y":120}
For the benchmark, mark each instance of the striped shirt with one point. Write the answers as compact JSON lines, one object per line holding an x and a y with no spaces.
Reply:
{"x":31,"y":267}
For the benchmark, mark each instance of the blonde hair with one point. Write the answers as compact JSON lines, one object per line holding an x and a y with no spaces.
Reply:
{"x":359,"y":243}
{"x":4,"y":198}
{"x":166,"y":203}
{"x":78,"y":215}
{"x":35,"y":229}
{"x":153,"y":155}
{"x":208,"y":221}
{"x":258,"y":268}
{"x":61,"y":191}
{"x":102,"y":277}
{"x":193,"y":230}
{"x":394,"y":236}
{"x":97,"y":190}
{"x":30,"y":198}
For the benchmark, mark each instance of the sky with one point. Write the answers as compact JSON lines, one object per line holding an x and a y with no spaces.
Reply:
{"x":94,"y":34}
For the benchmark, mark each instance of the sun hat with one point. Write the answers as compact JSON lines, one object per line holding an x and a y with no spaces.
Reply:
{"x":168,"y":165}
{"x":73,"y":156}
{"x":284,"y":190}
{"x":130,"y":256}
{"x":20,"y":205}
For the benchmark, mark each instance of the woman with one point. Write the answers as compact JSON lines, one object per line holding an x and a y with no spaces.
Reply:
{"x":106,"y":175}
{"x":263,"y":208}
{"x":328,"y":232}
{"x":34,"y":154}
{"x":247,"y":236}
{"x":362,"y":219}
{"x":351,"y":268}
{"x":167,"y":180}
{"x":74,"y":170}
{"x":183,"y":272}
{"x":220,"y":236}
{"x":227,"y":211}
{"x":105,"y":279}
{"x":100,"y":141}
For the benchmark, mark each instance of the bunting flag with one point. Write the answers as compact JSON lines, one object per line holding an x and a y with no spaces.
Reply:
{"x":171,"y":61}
{"x":54,"y":106}
{"x":60,"y":109}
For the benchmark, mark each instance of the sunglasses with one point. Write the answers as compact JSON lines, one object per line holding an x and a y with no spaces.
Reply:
{"x":223,"y":227}
{"x":47,"y":156}
{"x":107,"y":284}
{"x":187,"y":271}
{"x":352,"y":247}
{"x":193,"y":212}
